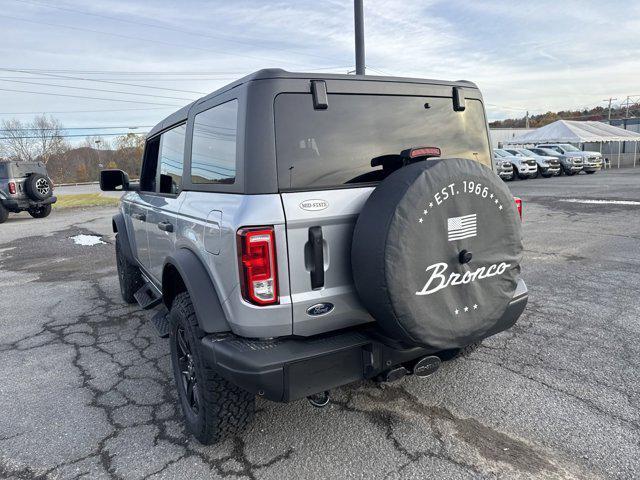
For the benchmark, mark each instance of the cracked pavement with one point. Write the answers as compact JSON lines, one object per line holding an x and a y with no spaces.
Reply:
{"x":86,"y":389}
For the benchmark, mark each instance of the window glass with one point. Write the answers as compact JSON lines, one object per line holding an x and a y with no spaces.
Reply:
{"x":150,"y":165}
{"x":172,"y":159}
{"x":337,"y":146}
{"x":213,"y":152}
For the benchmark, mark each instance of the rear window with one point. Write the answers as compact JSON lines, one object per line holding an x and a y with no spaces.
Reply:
{"x":335,"y":147}
{"x":24,"y":169}
{"x":213,"y":152}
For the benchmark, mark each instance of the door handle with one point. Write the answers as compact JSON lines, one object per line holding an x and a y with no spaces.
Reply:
{"x":165,"y":226}
{"x":317,"y":257}
{"x":139,"y":216}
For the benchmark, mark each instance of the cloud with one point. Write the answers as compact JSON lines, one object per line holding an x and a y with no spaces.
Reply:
{"x":542,"y":55}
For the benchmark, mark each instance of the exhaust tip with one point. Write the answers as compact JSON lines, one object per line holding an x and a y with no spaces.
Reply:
{"x":320,"y":400}
{"x":426,"y":366}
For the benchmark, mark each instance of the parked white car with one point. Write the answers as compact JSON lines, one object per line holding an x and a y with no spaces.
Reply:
{"x":548,"y":166}
{"x":525,"y":167}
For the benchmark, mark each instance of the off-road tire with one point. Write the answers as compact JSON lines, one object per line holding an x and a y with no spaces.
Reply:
{"x":129,"y":275}
{"x":523,"y":176}
{"x":568,"y":172}
{"x":38,"y":187}
{"x":40,"y":212}
{"x":4,"y":214}
{"x":448,"y":355}
{"x":224,"y":409}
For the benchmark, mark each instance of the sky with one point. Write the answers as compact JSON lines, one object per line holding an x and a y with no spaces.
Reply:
{"x":119,"y":66}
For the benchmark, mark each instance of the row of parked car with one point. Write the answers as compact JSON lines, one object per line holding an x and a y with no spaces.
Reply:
{"x":548,"y":160}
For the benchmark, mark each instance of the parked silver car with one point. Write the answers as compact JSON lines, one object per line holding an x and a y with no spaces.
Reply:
{"x":547,"y":166}
{"x":293,"y":248}
{"x":525,"y":167}
{"x":504,"y":168}
{"x":591,"y":161}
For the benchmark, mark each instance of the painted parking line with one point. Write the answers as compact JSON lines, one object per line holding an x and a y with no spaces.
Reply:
{"x":600,"y":202}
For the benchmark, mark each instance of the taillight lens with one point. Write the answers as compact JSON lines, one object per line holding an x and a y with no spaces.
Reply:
{"x":12,"y":188}
{"x":518,"y":201}
{"x":258,"y":264}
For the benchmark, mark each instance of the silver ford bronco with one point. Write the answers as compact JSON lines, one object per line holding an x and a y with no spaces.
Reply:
{"x":301,"y":232}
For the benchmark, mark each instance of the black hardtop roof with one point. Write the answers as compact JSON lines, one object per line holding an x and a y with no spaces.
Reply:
{"x":21,"y":162}
{"x":278,"y":73}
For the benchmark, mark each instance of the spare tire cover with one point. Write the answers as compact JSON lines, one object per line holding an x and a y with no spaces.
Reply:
{"x":408,"y":253}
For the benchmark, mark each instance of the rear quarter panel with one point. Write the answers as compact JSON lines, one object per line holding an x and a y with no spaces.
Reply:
{"x":206,"y":233}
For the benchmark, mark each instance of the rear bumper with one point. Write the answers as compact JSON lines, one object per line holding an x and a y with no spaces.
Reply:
{"x":26,"y":203}
{"x":291,"y":368}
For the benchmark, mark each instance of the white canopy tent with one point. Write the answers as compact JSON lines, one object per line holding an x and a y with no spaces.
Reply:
{"x":571,"y":131}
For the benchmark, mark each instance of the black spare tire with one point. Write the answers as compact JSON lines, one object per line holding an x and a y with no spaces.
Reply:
{"x":38,"y":187}
{"x":436,"y":253}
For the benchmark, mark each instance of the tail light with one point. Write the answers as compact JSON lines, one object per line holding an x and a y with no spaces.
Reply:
{"x":518,"y":201}
{"x":258,"y":265}
{"x":12,"y":188}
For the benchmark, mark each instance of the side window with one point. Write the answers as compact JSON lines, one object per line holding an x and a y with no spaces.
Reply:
{"x":172,"y":160}
{"x":213,"y":152}
{"x":150,"y":165}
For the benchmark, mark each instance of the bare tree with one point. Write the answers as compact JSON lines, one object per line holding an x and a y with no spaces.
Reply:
{"x":130,"y":140}
{"x":49,"y":139}
{"x":35,"y":141}
{"x":16,"y":143}
{"x":97,"y":142}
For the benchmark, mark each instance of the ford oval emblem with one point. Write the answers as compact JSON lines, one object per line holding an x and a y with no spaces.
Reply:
{"x":314,"y":205}
{"x":319,"y":309}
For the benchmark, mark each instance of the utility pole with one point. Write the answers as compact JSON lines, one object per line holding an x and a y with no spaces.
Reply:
{"x":358,"y":16}
{"x":627,"y":115}
{"x":526,"y":120}
{"x":609,"y":100}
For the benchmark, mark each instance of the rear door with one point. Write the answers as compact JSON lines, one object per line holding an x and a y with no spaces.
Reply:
{"x":138,"y":204}
{"x":162,"y":220}
{"x":325,"y":175}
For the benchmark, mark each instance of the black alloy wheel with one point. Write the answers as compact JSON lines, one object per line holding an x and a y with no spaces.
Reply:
{"x":189,"y":383}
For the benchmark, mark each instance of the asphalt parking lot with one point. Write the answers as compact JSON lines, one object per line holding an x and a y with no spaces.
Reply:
{"x":86,"y":389}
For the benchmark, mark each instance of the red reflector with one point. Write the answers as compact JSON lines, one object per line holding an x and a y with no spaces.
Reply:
{"x":12,"y":188}
{"x":518,"y":206}
{"x":424,"y":152}
{"x":258,"y":265}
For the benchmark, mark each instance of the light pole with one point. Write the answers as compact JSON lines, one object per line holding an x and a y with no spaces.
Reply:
{"x":358,"y":17}
{"x":97,"y":142}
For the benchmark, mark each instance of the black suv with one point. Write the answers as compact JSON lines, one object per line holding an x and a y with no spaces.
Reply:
{"x":25,"y":186}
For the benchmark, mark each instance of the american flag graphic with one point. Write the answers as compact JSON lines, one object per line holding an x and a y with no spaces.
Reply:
{"x":462,"y":227}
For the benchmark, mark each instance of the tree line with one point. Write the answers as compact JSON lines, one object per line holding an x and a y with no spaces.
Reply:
{"x":43,"y":140}
{"x":537,"y":121}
